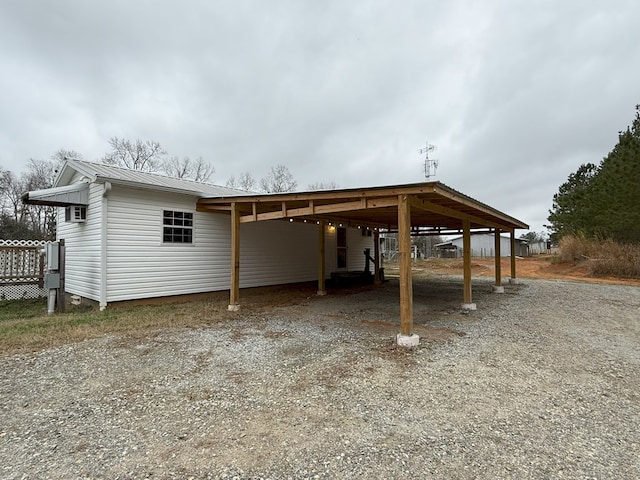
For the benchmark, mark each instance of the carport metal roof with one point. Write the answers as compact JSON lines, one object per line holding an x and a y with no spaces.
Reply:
{"x":433,"y":204}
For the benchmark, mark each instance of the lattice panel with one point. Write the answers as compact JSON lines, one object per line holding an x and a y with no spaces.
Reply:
{"x":17,"y":292}
{"x":20,"y":269}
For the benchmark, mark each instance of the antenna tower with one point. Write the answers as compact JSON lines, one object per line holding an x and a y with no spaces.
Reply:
{"x":430,"y":165}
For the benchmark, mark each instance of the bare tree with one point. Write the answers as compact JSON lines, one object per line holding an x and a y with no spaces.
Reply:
{"x":21,"y":221}
{"x":3,"y":175}
{"x":323,"y":186}
{"x":64,"y":154}
{"x":197,"y":170}
{"x":145,"y":156}
{"x":12,"y":190}
{"x":244,"y":182}
{"x":232,"y":182}
{"x":426,"y":244}
{"x":40,"y":175}
{"x":278,"y":180}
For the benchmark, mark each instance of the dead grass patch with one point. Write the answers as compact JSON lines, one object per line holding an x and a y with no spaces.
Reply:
{"x":26,"y":327}
{"x":602,"y":258}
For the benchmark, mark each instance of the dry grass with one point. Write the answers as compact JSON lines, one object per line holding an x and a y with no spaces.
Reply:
{"x":603,"y":257}
{"x":26,"y":327}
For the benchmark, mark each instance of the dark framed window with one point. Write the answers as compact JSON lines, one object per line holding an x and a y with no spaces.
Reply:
{"x":342,"y":247}
{"x":177,"y":227}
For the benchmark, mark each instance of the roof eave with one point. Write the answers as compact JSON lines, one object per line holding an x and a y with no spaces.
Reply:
{"x":64,"y":196}
{"x":144,"y":186}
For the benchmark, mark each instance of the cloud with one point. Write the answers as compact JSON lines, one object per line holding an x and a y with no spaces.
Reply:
{"x":514,"y":94}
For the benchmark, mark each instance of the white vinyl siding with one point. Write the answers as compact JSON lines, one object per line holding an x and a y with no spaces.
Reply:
{"x":356,"y":244}
{"x":276,"y":252}
{"x":140,"y":265}
{"x":82,"y":240}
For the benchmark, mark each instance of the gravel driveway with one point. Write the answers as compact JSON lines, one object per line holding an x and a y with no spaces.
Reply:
{"x":540,"y":382}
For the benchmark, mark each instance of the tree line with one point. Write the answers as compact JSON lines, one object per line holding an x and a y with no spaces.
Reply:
{"x":603,"y":201}
{"x":37,"y":222}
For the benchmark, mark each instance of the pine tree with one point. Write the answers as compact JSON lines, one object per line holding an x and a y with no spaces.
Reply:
{"x":603,"y":201}
{"x":616,"y":188}
{"x":570,"y":214}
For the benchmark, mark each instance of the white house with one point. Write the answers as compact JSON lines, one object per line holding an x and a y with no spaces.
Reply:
{"x":483,"y":245}
{"x":132,"y":235}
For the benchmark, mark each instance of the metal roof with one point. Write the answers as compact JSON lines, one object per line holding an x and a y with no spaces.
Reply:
{"x":432,"y":204}
{"x":97,"y":172}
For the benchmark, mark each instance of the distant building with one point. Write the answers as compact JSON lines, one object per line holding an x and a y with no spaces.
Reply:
{"x":483,"y":245}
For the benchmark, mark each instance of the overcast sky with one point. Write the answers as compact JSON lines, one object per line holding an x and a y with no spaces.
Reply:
{"x":514,"y":94}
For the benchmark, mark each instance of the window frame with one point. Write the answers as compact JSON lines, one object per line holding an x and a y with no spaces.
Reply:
{"x":178,"y":227}
{"x":75,"y":214}
{"x":341,"y":248}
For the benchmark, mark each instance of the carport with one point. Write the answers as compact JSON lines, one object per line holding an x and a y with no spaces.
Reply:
{"x":429,"y":208}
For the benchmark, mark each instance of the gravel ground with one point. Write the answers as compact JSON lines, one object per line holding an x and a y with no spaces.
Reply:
{"x":540,"y":382}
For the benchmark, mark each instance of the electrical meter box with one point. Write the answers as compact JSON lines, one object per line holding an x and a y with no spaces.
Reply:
{"x":52,"y":256}
{"x":51,"y":280}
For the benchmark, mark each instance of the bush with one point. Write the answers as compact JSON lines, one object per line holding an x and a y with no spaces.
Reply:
{"x":618,"y":260}
{"x":604,"y":257}
{"x":577,"y":248}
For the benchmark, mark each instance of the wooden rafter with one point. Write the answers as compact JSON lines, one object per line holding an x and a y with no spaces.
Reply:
{"x":450,"y":212}
{"x":311,"y":209}
{"x":433,"y":205}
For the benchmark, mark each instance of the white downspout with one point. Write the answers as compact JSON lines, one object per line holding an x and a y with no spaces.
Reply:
{"x":103,"y":245}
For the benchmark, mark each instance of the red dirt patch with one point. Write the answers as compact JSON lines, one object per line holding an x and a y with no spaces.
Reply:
{"x":540,"y":266}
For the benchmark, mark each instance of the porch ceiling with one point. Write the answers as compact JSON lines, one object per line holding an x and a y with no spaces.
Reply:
{"x":433,"y":205}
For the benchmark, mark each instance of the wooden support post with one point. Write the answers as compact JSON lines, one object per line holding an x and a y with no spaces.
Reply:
{"x":498,"y":288}
{"x":404,"y":250}
{"x":466,"y":253}
{"x":321,"y":259}
{"x":513,"y":278}
{"x":234,"y":292}
{"x":376,"y":257}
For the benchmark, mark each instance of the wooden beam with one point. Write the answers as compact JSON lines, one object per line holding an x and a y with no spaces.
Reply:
{"x":466,"y":253}
{"x":498,"y":254}
{"x":312,"y":209}
{"x":450,"y":212}
{"x":404,"y":248}
{"x":513,"y":255}
{"x":462,"y":199}
{"x":234,"y":290}
{"x":212,"y":208}
{"x":321,"y":259}
{"x":448,"y":201}
{"x":368,"y":193}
